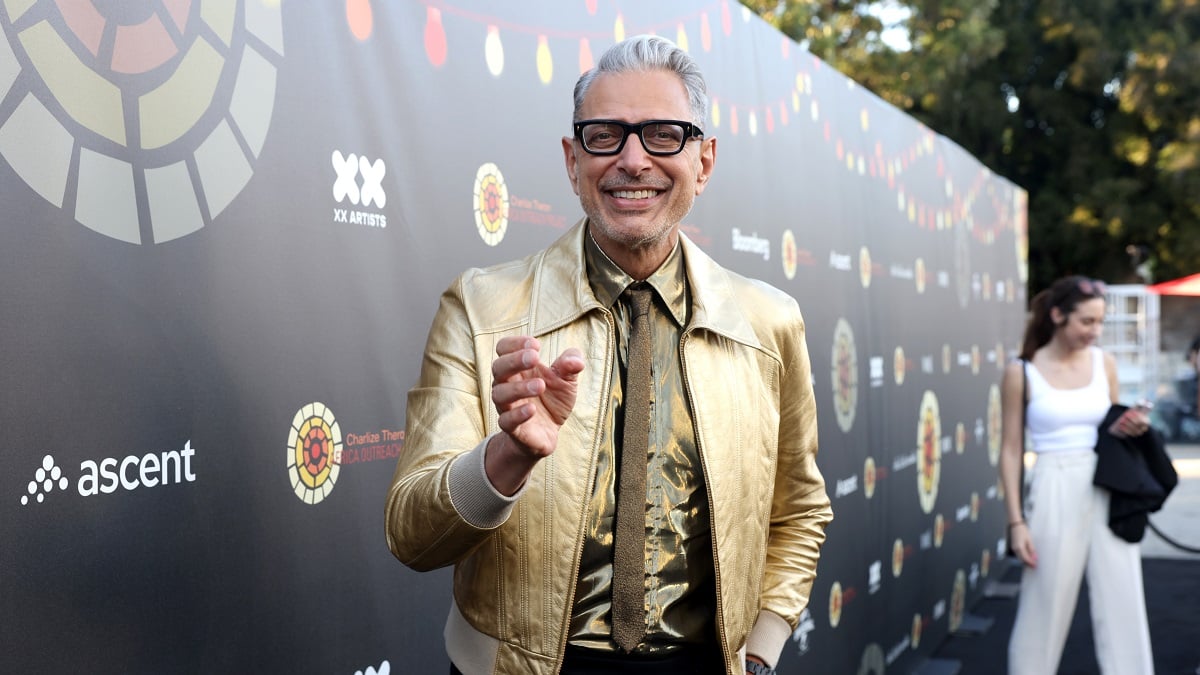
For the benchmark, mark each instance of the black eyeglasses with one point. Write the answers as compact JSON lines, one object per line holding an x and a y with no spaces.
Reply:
{"x":1092,"y":287}
{"x":659,"y":137}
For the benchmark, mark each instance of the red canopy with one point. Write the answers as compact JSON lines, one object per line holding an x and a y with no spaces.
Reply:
{"x":1189,"y":285}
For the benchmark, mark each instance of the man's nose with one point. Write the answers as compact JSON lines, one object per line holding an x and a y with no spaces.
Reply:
{"x":633,"y":158}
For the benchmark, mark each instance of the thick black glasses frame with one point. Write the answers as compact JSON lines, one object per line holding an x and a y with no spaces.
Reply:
{"x":690,"y":131}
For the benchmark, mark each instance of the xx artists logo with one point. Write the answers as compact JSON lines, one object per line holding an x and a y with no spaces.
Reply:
{"x":346,"y":187}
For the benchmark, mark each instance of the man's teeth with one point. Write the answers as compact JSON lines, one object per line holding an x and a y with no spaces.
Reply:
{"x":634,"y":194}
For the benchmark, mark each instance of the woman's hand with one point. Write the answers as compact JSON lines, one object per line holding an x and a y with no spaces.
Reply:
{"x":1021,"y":542}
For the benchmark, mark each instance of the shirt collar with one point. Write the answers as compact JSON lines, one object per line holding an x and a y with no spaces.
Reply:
{"x":608,"y":280}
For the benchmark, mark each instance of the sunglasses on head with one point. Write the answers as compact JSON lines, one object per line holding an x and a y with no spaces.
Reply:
{"x":1092,"y":287}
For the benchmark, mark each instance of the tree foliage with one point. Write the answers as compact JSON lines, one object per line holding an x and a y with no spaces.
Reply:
{"x":1092,"y":106}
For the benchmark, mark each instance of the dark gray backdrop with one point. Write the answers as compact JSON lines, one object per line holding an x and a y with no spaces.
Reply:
{"x":188,"y":300}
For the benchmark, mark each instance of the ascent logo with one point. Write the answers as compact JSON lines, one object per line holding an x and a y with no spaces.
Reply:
{"x":346,"y":187}
{"x":109,"y":474}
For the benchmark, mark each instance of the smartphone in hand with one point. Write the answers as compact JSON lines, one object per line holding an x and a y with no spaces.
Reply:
{"x":1133,"y":418}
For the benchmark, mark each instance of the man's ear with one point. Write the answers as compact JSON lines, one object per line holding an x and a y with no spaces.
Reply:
{"x":707,"y":159}
{"x":571,"y":161}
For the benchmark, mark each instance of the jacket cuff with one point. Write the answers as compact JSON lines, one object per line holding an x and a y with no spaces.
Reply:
{"x":474,"y":497}
{"x":767,"y":638}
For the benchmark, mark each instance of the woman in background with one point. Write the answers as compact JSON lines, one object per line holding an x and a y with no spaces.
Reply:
{"x":1071,"y":383}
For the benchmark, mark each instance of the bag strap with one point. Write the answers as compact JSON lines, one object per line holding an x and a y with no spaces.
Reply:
{"x":1024,"y":412}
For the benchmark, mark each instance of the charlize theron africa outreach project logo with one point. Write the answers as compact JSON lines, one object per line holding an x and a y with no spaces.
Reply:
{"x":141,"y":119}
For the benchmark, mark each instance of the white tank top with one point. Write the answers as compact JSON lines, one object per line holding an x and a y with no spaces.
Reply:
{"x":1065,"y":420}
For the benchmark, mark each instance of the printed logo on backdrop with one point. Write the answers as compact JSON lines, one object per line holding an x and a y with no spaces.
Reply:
{"x":958,"y":599}
{"x":929,"y":451}
{"x":315,"y":440}
{"x":358,"y":182}
{"x":318,"y":450}
{"x":845,"y":375}
{"x":872,"y":662}
{"x":803,"y":628}
{"x":897,"y":558}
{"x":835,"y":604}
{"x":109,"y":474}
{"x":385,"y":668}
{"x":899,"y":365}
{"x":864,"y":267}
{"x":142,"y":121}
{"x":750,"y":243}
{"x":491,"y":204}
{"x":993,"y":424}
{"x":788,"y":254}
{"x":869,"y":477}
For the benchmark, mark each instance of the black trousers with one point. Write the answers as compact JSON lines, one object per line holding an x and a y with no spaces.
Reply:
{"x":692,"y":660}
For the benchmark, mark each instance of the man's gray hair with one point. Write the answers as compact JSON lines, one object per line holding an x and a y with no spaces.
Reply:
{"x":643,"y":53}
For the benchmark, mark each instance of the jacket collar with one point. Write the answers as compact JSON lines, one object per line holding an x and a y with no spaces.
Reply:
{"x":561,"y":293}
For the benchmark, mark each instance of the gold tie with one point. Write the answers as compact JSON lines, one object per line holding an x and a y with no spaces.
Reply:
{"x":629,"y":535}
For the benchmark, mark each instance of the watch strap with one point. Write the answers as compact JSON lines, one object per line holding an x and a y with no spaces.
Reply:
{"x":756,"y":668}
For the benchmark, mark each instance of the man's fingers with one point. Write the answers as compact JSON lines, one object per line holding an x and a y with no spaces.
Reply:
{"x":512,"y":363}
{"x":514,"y":343}
{"x":569,"y":364}
{"x":509,"y":393}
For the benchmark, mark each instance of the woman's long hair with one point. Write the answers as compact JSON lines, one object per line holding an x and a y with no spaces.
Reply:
{"x":1065,"y":294}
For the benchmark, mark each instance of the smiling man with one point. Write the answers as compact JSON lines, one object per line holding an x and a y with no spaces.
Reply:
{"x":614,"y":440}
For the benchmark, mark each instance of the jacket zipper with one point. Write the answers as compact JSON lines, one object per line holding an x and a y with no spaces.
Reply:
{"x":609,"y":362}
{"x":712,"y":525}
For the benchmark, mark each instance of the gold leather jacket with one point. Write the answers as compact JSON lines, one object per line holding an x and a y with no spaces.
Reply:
{"x":747,"y":375}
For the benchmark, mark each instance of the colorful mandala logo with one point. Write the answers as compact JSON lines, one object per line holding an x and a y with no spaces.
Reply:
{"x":491,"y":204}
{"x":993,"y":424}
{"x":958,"y":600}
{"x":864,"y":267}
{"x":835,"y":604}
{"x":788,"y":254}
{"x":314,"y":450}
{"x":845,"y":375}
{"x":869,"y":477}
{"x":141,"y":119}
{"x":929,"y":451}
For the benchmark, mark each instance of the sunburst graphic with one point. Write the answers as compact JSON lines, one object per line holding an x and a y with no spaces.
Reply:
{"x":491,"y":204}
{"x":788,"y":254}
{"x":929,"y":451}
{"x":314,"y":449}
{"x":993,"y":424}
{"x":835,"y":604}
{"x":958,"y":600}
{"x":869,"y":477}
{"x":142,"y":119}
{"x":845,"y":375}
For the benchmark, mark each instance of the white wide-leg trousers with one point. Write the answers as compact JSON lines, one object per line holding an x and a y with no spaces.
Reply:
{"x":1068,"y":519}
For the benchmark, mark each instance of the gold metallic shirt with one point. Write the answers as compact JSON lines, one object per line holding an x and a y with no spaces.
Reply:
{"x":680,"y":596}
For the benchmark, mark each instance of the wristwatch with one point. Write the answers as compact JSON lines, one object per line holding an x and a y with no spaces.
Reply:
{"x":756,"y":668}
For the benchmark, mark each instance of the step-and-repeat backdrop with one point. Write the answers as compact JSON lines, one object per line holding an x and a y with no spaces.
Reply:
{"x":226,"y":225}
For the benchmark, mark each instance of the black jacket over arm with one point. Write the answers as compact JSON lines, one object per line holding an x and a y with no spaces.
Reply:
{"x":1137,"y":472}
